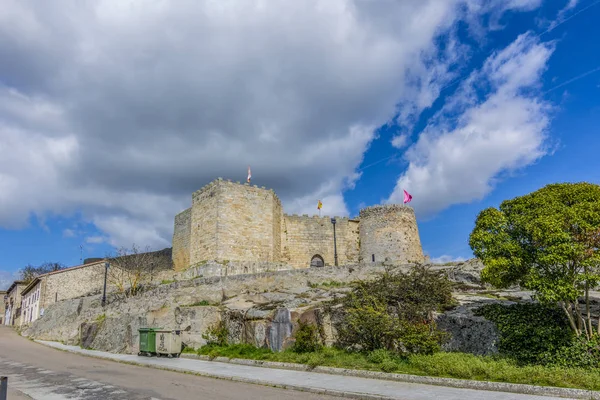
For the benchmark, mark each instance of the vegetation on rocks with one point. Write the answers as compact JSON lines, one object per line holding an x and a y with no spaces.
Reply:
{"x":529,"y":333}
{"x":217,"y":334}
{"x":395,"y":312}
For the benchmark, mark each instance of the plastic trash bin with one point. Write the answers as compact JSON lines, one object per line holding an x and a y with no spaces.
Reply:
{"x":168,"y":342}
{"x":147,"y":341}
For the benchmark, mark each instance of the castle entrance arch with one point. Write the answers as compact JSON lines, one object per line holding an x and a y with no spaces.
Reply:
{"x":317,"y":261}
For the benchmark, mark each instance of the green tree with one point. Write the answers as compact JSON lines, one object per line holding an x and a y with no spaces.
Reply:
{"x":546,"y":241}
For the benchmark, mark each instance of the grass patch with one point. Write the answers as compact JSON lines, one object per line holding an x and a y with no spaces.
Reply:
{"x":330,"y":284}
{"x":189,"y":350}
{"x":199,"y":303}
{"x":100,"y":318}
{"x":167,"y":281}
{"x":447,"y":365}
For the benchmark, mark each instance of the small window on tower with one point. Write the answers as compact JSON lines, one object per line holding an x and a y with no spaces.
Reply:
{"x":373,"y":257}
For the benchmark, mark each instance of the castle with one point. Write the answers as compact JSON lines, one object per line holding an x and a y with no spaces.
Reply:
{"x":229,"y":221}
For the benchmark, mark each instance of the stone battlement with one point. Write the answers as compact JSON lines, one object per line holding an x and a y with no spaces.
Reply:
{"x":225,"y":182}
{"x":320,"y":217}
{"x":384,"y":209}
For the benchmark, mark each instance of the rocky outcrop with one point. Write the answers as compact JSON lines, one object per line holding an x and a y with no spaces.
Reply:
{"x":260,"y":309}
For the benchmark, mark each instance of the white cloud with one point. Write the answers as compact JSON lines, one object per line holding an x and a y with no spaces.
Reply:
{"x":7,"y":278}
{"x":472,"y":140}
{"x":95,"y":239}
{"x":119,"y":111}
{"x":68,"y":233}
{"x":560,"y":18}
{"x":446,"y":259}
{"x":400,"y":141}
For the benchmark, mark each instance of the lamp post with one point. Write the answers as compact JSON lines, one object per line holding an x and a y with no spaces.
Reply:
{"x":334,"y":243}
{"x":106,"y":265}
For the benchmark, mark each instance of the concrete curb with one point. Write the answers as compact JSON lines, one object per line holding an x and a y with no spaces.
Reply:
{"x":428,"y":380}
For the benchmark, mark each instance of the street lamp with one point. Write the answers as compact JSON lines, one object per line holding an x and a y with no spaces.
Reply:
{"x":106,"y":265}
{"x":334,"y":243}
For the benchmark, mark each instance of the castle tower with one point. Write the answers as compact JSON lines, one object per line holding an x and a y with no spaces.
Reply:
{"x":389,"y":233}
{"x":228,"y":221}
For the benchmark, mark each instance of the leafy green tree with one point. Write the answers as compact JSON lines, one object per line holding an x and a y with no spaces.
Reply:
{"x":546,"y":241}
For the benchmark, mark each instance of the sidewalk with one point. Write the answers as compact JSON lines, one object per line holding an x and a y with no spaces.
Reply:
{"x":345,"y":386}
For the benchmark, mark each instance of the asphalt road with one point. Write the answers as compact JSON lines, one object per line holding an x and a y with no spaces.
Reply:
{"x":39,"y":372}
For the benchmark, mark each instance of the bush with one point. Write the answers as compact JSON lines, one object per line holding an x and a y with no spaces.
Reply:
{"x":389,"y":366}
{"x":530,"y":333}
{"x":216,"y":334}
{"x":395,"y":312}
{"x":579,"y":353}
{"x":307,"y":338}
{"x":378,"y":356}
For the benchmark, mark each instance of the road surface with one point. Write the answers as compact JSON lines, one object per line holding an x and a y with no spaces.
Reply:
{"x":39,"y":372}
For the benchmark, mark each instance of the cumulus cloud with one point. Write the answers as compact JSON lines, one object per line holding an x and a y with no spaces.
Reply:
{"x":118,"y":111}
{"x":400,"y":141}
{"x":7,"y":278}
{"x":446,"y":259}
{"x":473,"y":139}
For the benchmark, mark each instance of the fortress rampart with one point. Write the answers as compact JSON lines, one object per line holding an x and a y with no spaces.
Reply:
{"x":230,"y":221}
{"x":389,"y":233}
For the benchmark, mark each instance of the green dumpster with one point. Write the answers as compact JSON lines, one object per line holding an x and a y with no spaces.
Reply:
{"x":147,"y":341}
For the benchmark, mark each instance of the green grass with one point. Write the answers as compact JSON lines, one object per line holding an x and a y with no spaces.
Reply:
{"x":199,"y":303}
{"x":448,"y":365}
{"x":330,"y":284}
{"x":166,"y":281}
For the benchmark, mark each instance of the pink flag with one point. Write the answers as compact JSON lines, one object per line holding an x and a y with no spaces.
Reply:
{"x":407,"y":197}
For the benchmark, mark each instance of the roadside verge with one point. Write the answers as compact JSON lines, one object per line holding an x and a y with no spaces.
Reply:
{"x":336,"y":381}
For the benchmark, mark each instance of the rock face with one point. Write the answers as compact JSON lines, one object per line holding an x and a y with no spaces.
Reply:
{"x":261,"y":309}
{"x":469,"y":333}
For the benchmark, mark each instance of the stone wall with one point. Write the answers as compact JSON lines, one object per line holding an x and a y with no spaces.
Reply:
{"x":71,"y":283}
{"x":304,"y":237}
{"x":181,"y":239}
{"x":2,"y":306}
{"x":230,"y":221}
{"x":248,"y":217}
{"x":203,"y":230}
{"x":389,"y":233}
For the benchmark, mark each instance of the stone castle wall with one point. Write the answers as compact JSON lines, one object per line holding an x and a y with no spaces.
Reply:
{"x":389,"y":233}
{"x":203,"y":229}
{"x":230,"y":221}
{"x":181,"y":238}
{"x":304,"y":237}
{"x":248,"y":217}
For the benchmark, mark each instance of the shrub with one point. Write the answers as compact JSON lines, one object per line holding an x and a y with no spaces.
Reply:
{"x":307,"y":338}
{"x":395,"y":312}
{"x":389,"y":366}
{"x":579,"y":353}
{"x":529,"y":333}
{"x":216,"y":334}
{"x":378,"y":356}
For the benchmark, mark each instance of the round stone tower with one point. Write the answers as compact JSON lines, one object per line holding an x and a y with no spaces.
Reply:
{"x":389,"y":233}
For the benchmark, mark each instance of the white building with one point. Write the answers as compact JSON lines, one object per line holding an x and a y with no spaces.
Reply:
{"x":30,"y":302}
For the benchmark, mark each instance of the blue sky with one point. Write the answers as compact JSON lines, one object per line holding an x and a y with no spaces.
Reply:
{"x":108,"y":123}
